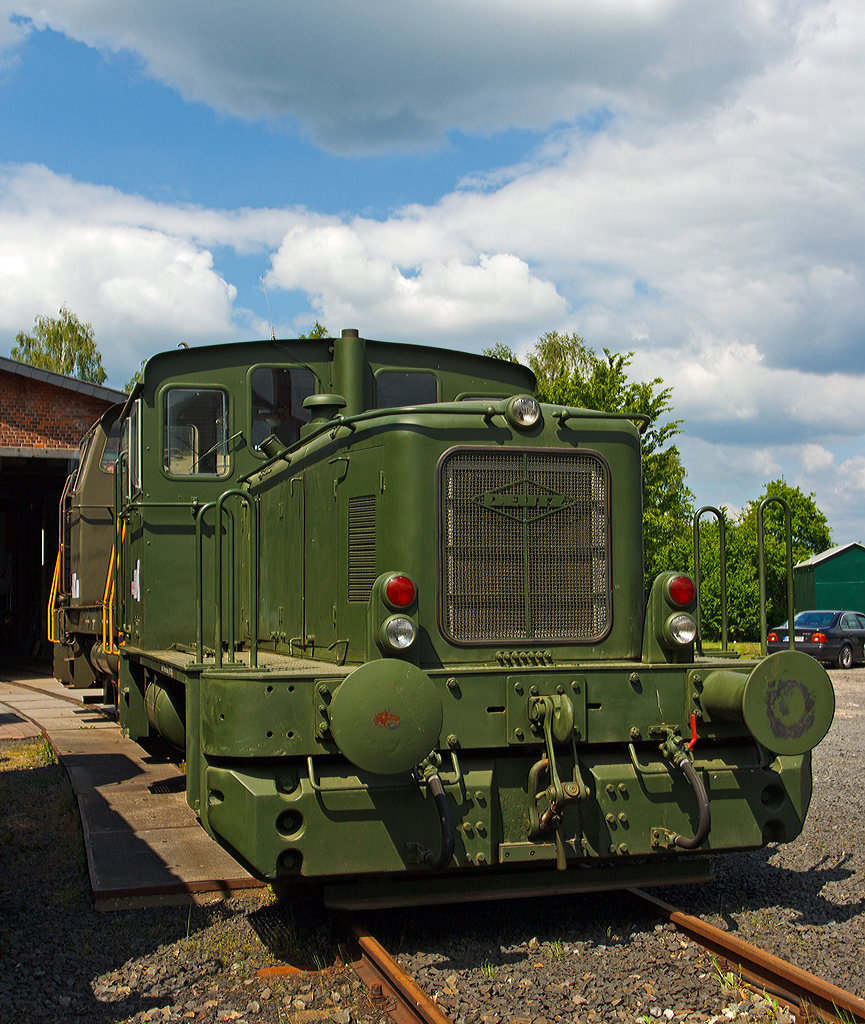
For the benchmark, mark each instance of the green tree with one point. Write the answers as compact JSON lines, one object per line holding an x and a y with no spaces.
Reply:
{"x":63,"y":344}
{"x":500,"y":350}
{"x":811,"y":536}
{"x":558,"y":359}
{"x":136,"y":377}
{"x":316,"y":331}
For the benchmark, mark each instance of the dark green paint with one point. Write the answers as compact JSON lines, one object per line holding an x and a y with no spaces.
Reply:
{"x":299,"y":766}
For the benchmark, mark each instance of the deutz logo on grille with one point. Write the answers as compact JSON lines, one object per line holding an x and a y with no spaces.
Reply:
{"x":523,"y":506}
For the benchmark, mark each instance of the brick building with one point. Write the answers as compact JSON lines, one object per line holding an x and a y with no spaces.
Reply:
{"x":43,"y":416}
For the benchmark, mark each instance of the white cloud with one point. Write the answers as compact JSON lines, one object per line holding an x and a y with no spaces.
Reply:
{"x":140,"y":283}
{"x":715,"y":225}
{"x":12,"y":32}
{"x":815,"y":458}
{"x":350,"y":281}
{"x":361,"y":76}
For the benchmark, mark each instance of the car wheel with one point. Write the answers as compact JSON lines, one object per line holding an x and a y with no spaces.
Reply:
{"x":845,"y":657}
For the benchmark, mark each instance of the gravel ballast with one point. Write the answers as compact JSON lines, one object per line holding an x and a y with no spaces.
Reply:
{"x":574,"y":959}
{"x":589,"y":958}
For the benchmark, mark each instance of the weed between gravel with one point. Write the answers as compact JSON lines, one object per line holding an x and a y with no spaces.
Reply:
{"x":63,"y":963}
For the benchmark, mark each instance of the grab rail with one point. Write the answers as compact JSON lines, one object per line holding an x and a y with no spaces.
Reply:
{"x":761,"y":568}
{"x":52,"y":597}
{"x":219,"y":505}
{"x":108,"y":644}
{"x":723,"y":559}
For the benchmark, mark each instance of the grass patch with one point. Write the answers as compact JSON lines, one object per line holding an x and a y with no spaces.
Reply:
{"x":40,"y":831}
{"x":744,"y":648}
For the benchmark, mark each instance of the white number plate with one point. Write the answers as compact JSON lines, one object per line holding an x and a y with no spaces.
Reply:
{"x":799,"y":638}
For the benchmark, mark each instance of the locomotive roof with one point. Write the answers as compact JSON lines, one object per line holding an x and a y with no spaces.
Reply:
{"x":401,"y":353}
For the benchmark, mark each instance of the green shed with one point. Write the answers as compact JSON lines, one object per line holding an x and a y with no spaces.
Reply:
{"x":833,"y":579}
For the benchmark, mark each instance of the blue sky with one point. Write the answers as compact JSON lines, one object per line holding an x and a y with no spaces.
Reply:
{"x":676,"y":179}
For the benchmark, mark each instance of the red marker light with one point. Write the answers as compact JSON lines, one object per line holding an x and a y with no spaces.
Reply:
{"x":682,"y":590}
{"x":400,"y":591}
{"x":772,"y":638}
{"x":818,"y":638}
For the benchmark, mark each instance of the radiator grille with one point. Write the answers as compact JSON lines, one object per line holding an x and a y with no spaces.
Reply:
{"x":524,"y":553}
{"x":361,"y":547}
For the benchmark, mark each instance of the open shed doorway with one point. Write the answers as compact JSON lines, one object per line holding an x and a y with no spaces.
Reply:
{"x":30,"y":491}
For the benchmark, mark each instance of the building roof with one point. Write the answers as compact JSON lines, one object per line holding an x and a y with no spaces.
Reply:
{"x":824,"y":556}
{"x":59,"y":380}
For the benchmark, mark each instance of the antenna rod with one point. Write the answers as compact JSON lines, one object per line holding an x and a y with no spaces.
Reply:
{"x":269,"y":317}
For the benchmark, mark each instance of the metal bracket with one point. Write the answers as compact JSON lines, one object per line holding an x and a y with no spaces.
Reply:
{"x":555,"y":715}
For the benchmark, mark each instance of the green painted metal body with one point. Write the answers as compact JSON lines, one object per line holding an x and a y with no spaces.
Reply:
{"x":540,"y":686}
{"x":86,"y":537}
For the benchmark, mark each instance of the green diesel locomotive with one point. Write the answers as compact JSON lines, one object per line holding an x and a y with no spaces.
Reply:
{"x":392,"y":610}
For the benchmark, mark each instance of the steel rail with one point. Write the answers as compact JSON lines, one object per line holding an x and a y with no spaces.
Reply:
{"x":809,"y":995}
{"x":388,"y":984}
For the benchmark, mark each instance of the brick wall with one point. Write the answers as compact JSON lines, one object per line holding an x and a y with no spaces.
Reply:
{"x":34,"y":414}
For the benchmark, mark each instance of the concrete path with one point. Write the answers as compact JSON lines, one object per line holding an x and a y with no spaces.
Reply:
{"x":144,"y":844}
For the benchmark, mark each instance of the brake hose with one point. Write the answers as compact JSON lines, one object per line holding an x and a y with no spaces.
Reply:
{"x":444,"y":858}
{"x":705,"y":821}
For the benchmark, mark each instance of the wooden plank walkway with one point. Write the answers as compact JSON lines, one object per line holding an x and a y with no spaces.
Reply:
{"x":144,"y":844}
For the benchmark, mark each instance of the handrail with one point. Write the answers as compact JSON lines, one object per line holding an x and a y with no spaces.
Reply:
{"x":723,"y":559}
{"x":231,"y":585}
{"x":52,"y":597}
{"x":481,"y":408}
{"x":107,"y":594}
{"x":199,"y":582}
{"x":119,"y":536}
{"x":761,"y":569}
{"x":61,"y":527}
{"x":108,"y":644}
{"x":219,"y":505}
{"x":408,"y":783}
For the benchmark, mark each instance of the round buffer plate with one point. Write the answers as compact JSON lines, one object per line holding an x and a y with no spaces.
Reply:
{"x":386,"y":716}
{"x":789,"y":702}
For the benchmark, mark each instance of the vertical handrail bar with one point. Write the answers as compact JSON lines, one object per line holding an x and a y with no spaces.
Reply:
{"x":217,"y":583}
{"x":253,"y":576}
{"x":52,"y":598}
{"x":722,"y":541}
{"x":199,"y":582}
{"x":232,"y":583}
{"x":119,"y":535}
{"x":61,"y":526}
{"x":761,"y":568}
{"x":253,"y":583}
{"x":107,"y":643}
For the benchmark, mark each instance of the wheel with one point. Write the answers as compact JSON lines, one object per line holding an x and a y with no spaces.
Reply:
{"x":845,"y":657}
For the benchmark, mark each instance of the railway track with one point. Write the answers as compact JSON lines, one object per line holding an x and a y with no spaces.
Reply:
{"x":390,"y":988}
{"x":806,"y":996}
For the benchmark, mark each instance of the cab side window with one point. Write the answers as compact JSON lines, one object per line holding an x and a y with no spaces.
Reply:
{"x":112,"y":448}
{"x":278,"y":394}
{"x":196,"y":432}
{"x":395,"y":388}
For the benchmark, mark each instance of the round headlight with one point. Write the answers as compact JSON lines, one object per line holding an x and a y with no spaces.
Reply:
{"x":524,"y":412}
{"x":399,"y":632}
{"x":681,"y":629}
